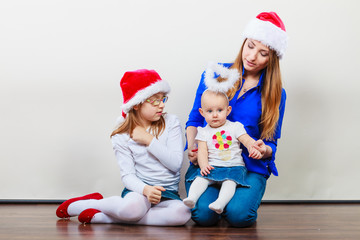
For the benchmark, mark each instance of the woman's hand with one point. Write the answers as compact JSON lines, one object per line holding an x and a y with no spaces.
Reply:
{"x":140,"y":135}
{"x":260,"y":148}
{"x":192,"y":155}
{"x":153,"y":193}
{"x":254,"y":153}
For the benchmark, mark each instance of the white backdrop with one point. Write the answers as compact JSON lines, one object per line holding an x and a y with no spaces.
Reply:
{"x":61,"y":63}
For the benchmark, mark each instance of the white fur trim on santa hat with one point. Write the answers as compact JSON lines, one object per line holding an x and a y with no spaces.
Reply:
{"x":232,"y":75}
{"x":268,"y":34}
{"x":142,"y":95}
{"x":120,"y":119}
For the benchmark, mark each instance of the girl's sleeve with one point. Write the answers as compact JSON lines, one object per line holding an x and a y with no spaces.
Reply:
{"x":171,"y":153}
{"x":195,"y":119}
{"x":273,"y":143}
{"x":201,"y":134}
{"x":126,"y":163}
{"x":239,"y":129}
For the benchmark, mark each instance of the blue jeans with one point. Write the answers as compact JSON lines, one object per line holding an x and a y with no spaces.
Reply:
{"x":241,"y":211}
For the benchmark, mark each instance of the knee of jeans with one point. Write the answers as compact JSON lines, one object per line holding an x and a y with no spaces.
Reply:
{"x":204,"y":216}
{"x":241,"y":219}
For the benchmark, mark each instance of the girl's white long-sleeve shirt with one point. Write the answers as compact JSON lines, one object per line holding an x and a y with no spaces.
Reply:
{"x":158,"y":164}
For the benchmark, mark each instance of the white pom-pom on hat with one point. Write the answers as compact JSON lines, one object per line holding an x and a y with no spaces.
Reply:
{"x":213,"y":70}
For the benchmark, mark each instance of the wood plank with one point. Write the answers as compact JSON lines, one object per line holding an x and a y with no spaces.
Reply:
{"x":276,"y":221}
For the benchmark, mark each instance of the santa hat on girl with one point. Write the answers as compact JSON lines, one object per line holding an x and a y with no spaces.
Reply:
{"x":139,"y":85}
{"x":268,"y":28}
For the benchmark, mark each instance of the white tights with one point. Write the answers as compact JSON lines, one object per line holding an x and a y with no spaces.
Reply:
{"x":134,"y":208}
{"x":199,"y":186}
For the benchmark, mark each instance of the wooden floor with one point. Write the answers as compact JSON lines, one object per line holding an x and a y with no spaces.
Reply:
{"x":276,"y":221}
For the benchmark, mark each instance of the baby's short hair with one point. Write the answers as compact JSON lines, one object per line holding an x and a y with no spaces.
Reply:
{"x":217,"y":93}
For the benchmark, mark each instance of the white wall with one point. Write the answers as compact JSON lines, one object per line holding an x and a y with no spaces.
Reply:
{"x":61,"y":63}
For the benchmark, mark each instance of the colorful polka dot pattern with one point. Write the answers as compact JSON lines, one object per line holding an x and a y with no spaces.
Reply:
{"x":222,"y":140}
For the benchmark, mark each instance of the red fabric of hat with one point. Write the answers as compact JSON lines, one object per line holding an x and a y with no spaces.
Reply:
{"x":273,"y":18}
{"x":269,"y":29}
{"x":137,"y":80}
{"x":139,"y":85}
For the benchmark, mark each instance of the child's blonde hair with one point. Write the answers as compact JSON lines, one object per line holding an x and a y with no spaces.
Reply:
{"x":132,"y":120}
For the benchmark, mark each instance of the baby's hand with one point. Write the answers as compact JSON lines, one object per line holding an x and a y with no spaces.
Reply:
{"x":257,"y":150}
{"x":206,"y":170}
{"x":256,"y":154}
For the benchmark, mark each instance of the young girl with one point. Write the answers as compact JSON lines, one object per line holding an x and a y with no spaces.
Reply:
{"x":219,"y":152}
{"x":149,"y":150}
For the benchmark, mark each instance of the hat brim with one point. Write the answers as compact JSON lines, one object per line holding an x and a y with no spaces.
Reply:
{"x":268,"y":34}
{"x":142,"y":95}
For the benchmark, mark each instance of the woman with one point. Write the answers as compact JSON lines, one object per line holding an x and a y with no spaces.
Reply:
{"x":258,"y":102}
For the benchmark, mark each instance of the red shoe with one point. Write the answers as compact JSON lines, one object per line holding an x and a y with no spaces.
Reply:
{"x":61,"y":211}
{"x":86,"y":215}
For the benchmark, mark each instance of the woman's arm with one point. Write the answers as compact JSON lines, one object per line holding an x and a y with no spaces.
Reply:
{"x":195,"y":119}
{"x":190,"y":137}
{"x":268,"y":151}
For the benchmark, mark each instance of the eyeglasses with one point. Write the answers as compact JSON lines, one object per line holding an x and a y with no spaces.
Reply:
{"x":156,"y":102}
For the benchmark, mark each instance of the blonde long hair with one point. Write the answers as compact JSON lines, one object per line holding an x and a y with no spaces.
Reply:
{"x":132,"y":120}
{"x":270,"y":93}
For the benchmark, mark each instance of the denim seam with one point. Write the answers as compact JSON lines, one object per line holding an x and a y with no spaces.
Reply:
{"x":258,"y":197}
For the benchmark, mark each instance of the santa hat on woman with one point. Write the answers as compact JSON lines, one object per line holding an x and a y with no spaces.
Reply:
{"x":268,"y":28}
{"x":139,"y":85}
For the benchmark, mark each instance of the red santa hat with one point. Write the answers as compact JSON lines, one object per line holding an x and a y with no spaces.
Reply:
{"x":139,"y":85}
{"x":268,"y":28}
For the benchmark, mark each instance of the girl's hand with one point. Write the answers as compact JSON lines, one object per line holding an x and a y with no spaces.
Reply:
{"x":258,"y":149}
{"x":140,"y":135}
{"x":206,"y":170}
{"x":192,"y":155}
{"x":254,"y":153}
{"x":153,"y":193}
